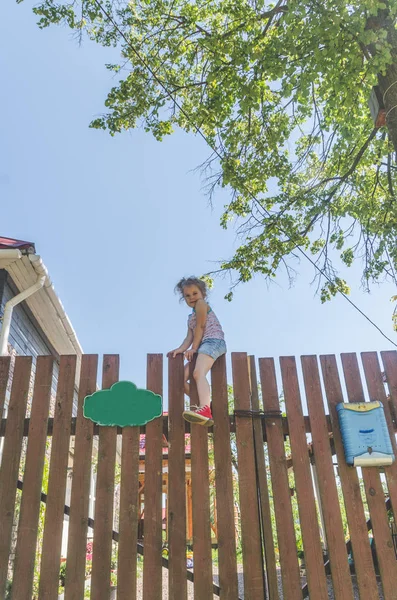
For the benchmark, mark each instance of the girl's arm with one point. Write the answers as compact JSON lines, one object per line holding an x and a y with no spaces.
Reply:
{"x":187,"y":342}
{"x":201,"y":317}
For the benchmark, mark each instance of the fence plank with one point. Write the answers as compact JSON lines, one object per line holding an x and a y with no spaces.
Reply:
{"x":389,"y":360}
{"x":176,"y":482}
{"x":303,"y":481}
{"x":202,"y":554}
{"x":340,"y":570}
{"x":152,"y":568}
{"x":25,"y":550}
{"x":376,"y":389}
{"x":104,"y":494}
{"x":250,"y":532}
{"x":11,"y":457}
{"x":79,"y":501}
{"x":224,"y":483}
{"x":364,"y":567}
{"x":281,"y":493}
{"x":128,"y":518}
{"x":374,"y":492}
{"x":53,"y":524}
{"x":4,"y":372}
{"x":266,"y":519}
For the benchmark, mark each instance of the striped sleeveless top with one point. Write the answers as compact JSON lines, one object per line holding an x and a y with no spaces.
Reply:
{"x":213,"y":329}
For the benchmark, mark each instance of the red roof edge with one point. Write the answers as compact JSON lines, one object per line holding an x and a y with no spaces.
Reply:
{"x":19,"y":244}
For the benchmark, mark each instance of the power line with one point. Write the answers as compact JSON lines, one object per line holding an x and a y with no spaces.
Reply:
{"x":220,"y":156}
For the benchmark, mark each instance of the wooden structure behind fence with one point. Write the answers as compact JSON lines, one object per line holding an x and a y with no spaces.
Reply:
{"x":265,"y":442}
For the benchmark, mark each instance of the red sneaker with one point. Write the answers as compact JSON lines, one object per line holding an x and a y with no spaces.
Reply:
{"x":201,"y":415}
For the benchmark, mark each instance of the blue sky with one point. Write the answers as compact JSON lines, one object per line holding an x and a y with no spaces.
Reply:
{"x":119,"y":220}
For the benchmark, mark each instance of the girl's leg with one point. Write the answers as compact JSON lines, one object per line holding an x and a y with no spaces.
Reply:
{"x":186,"y":379}
{"x":203,"y":365}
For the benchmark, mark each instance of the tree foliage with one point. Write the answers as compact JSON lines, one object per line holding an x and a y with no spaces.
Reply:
{"x":281,"y":93}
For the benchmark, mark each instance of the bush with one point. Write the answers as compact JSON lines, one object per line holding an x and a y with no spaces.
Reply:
{"x":62,"y":574}
{"x":8,"y":590}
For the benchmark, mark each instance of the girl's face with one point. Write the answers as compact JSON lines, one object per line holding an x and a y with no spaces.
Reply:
{"x":192,"y":293}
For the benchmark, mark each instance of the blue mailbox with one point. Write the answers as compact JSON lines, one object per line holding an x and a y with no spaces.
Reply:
{"x":365,"y":434}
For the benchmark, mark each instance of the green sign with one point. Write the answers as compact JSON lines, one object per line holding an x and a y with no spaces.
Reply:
{"x":123,"y":405}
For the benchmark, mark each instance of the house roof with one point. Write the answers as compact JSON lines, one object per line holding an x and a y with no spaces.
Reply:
{"x":24,"y":266}
{"x":11,"y":243}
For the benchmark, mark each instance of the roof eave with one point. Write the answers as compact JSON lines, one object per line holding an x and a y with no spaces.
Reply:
{"x":45,"y":304}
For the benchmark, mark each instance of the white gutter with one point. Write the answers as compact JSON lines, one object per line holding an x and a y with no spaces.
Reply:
{"x":38,"y":266}
{"x":9,"y":307}
{"x":70,"y":332}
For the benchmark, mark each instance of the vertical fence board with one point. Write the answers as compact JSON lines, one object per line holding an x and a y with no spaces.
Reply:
{"x":340,"y":570}
{"x":376,"y":389}
{"x":4,"y":372}
{"x":102,"y":546}
{"x":128,"y":518}
{"x":389,"y":360}
{"x":364,"y":567}
{"x":79,"y":501}
{"x":303,"y":481}
{"x":224,"y":483}
{"x":176,"y":482}
{"x":202,"y":554}
{"x":152,"y":567}
{"x":266,"y":519}
{"x":250,"y":532}
{"x":10,"y":462}
{"x":25,"y":550}
{"x":281,"y":493}
{"x":374,"y":492}
{"x":53,"y":524}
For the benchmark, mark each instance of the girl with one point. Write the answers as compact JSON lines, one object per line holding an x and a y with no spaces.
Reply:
{"x":204,"y":337}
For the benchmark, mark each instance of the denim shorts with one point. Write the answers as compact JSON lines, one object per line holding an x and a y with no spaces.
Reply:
{"x":213,"y":347}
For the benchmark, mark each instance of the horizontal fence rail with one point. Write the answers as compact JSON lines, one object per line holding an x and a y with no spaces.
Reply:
{"x":231,"y":419}
{"x":260,"y":506}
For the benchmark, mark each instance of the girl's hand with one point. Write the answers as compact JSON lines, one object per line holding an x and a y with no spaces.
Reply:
{"x":189,"y":354}
{"x":174,"y":353}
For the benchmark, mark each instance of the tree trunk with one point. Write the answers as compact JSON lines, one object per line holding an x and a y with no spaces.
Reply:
{"x":388,"y":81}
{"x":388,"y":88}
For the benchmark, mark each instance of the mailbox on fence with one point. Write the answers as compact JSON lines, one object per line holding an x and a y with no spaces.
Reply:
{"x":365,"y":434}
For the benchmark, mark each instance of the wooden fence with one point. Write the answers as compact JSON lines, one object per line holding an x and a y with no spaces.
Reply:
{"x":286,"y":475}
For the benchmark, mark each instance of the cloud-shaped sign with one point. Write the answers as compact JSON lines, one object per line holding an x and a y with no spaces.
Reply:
{"x":123,"y":405}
